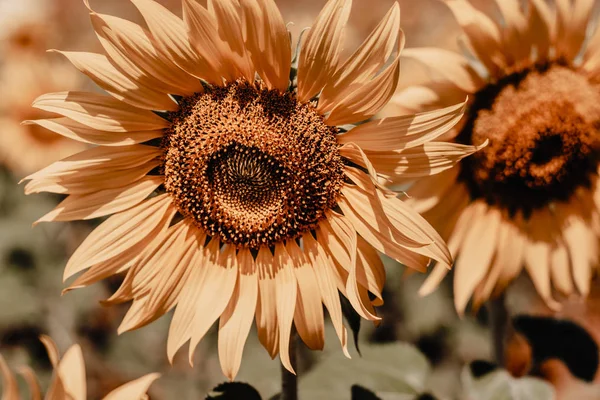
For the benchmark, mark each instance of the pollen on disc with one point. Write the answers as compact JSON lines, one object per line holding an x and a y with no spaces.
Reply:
{"x":251,"y":166}
{"x":543,"y":125}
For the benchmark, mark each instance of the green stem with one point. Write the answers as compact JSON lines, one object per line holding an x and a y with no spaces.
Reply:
{"x":500,"y":328}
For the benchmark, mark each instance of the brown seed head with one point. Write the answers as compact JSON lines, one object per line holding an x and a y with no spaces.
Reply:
{"x":251,"y":166}
{"x":543,"y":129}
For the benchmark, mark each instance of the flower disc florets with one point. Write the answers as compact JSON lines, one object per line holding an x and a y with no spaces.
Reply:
{"x":543,"y":129}
{"x":251,"y":166}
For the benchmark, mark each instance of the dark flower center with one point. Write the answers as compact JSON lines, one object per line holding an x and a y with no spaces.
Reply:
{"x":543,"y":125}
{"x":251,"y":166}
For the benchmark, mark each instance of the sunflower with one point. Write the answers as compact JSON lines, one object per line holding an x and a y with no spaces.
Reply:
{"x":68,"y":382}
{"x":253,"y":195}
{"x":27,"y":147}
{"x":531,"y":197}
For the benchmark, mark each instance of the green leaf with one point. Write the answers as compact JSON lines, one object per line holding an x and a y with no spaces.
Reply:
{"x":396,"y":368}
{"x":500,"y":385}
{"x":233,"y":391}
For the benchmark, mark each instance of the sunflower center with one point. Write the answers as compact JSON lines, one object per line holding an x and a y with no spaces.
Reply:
{"x":251,"y":166}
{"x":543,"y":125}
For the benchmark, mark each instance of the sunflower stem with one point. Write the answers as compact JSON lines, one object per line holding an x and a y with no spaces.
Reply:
{"x":500,"y":327}
{"x":289,"y":381}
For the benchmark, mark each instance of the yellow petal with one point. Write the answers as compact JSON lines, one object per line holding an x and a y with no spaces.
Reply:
{"x":100,"y":112}
{"x":134,"y":390}
{"x":236,"y":320}
{"x":319,"y":55}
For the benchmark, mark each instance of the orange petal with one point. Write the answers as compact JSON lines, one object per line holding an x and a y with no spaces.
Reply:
{"x":268,"y":42}
{"x":100,"y":112}
{"x":515,"y":31}
{"x":367,"y":100}
{"x":449,"y":65}
{"x":404,"y":132}
{"x":572,"y":22}
{"x":105,"y":202}
{"x":204,"y":36}
{"x":215,"y":290}
{"x":228,"y":14}
{"x":475,"y":256}
{"x":170,"y":36}
{"x":367,"y":61}
{"x":266,"y":307}
{"x":105,"y":75}
{"x":236,"y":320}
{"x":308,"y":316}
{"x":483,"y":35}
{"x":133,"y":390}
{"x":319,"y":55}
{"x":286,"y":290}
{"x":131,"y":50}
{"x":71,"y":372}
{"x":120,"y":232}
{"x":35,"y":391}
{"x":10,"y":388}
{"x":327,"y":287}
{"x":82,"y":133}
{"x":180,"y":330}
{"x":541,"y":27}
{"x":537,"y":255}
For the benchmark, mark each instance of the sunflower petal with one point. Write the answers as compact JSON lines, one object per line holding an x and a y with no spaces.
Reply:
{"x":320,"y":53}
{"x":100,"y":112}
{"x":236,"y":320}
{"x":268,"y":42}
{"x":133,"y":390}
{"x":362,"y":66}
{"x":266,"y":306}
{"x":449,"y":65}
{"x":404,"y":132}
{"x":82,"y":133}
{"x":171,"y":37}
{"x":131,"y":50}
{"x":104,"y":74}
{"x":286,"y":290}
{"x":102,"y":203}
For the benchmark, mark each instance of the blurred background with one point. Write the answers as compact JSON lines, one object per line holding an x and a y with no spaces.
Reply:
{"x":426,"y":340}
